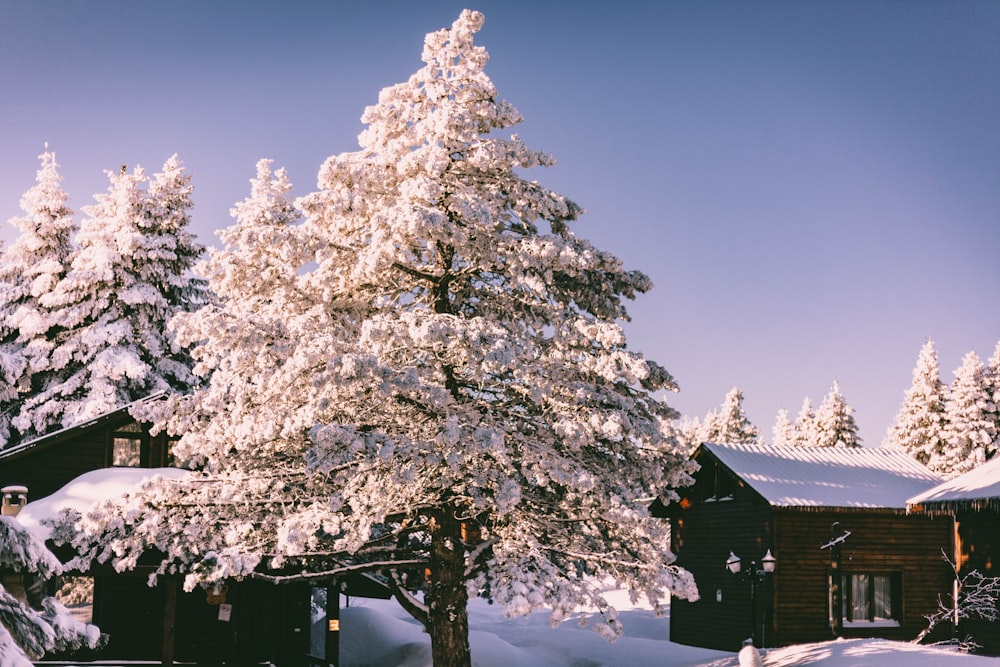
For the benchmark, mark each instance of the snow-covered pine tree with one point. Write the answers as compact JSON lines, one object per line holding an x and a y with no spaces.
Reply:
{"x":805,"y":425}
{"x":129,"y":275}
{"x":992,"y":382}
{"x":30,"y":268}
{"x":783,"y":432}
{"x":30,"y":628}
{"x":919,"y":425}
{"x":970,"y":431}
{"x":689,"y":432}
{"x":835,"y":426}
{"x":731,"y":424}
{"x":445,"y":396}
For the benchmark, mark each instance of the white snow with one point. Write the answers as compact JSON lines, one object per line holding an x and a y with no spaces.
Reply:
{"x":981,"y":484}
{"x":827,"y":476}
{"x":86,"y":490}
{"x":378,"y":633}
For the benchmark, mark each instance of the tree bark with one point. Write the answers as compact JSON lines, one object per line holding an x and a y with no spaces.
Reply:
{"x":448,"y":598}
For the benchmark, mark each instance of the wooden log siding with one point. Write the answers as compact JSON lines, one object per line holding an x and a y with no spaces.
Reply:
{"x":702,"y":536}
{"x":881,"y":542}
{"x":52,"y":462}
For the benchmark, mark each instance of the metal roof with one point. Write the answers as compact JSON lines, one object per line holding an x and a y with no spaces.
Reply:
{"x":851,"y":477}
{"x":976,"y":488}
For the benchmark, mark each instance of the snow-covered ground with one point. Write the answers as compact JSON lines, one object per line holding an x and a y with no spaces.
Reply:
{"x":377,"y":633}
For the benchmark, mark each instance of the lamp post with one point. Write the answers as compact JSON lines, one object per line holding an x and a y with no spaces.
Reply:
{"x":757,"y":573}
{"x":836,"y":578}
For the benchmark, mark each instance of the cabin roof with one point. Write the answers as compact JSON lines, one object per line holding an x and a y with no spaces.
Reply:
{"x":813,"y":477}
{"x":976,"y":488}
{"x":52,"y":438}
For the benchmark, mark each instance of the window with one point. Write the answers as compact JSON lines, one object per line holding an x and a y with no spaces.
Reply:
{"x":127,"y":446}
{"x":872,"y":598}
{"x":77,"y":595}
{"x":719,"y":485}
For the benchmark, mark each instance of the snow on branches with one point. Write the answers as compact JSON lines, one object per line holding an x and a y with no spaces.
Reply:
{"x":433,"y":384}
{"x":30,"y":628}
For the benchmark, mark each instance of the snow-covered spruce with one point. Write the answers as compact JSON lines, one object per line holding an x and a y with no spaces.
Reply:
{"x":30,"y":268}
{"x":104,"y":319}
{"x":919,"y":425}
{"x":970,"y":429}
{"x":835,"y":425}
{"x":434,"y":384}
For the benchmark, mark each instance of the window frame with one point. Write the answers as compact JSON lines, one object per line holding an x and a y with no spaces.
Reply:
{"x":848,"y":594}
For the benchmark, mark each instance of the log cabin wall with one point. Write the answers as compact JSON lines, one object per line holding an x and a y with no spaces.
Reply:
{"x":719,"y":514}
{"x":979,"y":549}
{"x":905,"y":549}
{"x":49,"y":463}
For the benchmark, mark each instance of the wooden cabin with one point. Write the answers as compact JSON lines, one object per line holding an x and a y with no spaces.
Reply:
{"x":848,"y":559}
{"x":244,"y":623}
{"x":973,"y":499}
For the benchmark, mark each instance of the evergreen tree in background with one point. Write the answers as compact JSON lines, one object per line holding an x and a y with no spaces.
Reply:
{"x":783,"y":432}
{"x":29,"y":269}
{"x":441,"y":393}
{"x":970,"y":429}
{"x":919,"y":425}
{"x":991,"y":380}
{"x":731,"y":424}
{"x":805,"y":425}
{"x":128,"y":276}
{"x":835,"y":426}
{"x":727,"y":424}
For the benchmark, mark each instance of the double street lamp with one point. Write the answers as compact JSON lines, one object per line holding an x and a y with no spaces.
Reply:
{"x":757,"y":573}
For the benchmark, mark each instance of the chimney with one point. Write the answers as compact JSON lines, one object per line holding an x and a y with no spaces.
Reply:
{"x":14,"y":498}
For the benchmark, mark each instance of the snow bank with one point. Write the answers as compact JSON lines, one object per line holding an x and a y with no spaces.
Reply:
{"x":378,"y":633}
{"x":86,"y":490}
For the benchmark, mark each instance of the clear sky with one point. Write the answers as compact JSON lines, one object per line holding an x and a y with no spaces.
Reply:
{"x":814,"y":187}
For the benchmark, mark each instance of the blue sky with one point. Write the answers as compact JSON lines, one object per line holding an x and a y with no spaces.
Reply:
{"x":814,"y":187}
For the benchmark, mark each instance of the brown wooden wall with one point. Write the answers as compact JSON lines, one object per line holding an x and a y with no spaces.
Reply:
{"x":52,"y":463}
{"x":48,"y":469}
{"x":880,"y":542}
{"x":979,"y":540}
{"x":703,"y":532}
{"x":131,"y":614}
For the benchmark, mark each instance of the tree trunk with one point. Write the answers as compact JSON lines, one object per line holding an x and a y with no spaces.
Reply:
{"x":448,"y":598}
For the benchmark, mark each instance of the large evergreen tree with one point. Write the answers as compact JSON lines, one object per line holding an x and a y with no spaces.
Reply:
{"x":970,"y":430}
{"x":443,"y":389}
{"x":835,"y":426}
{"x":29,"y":269}
{"x":919,"y":425}
{"x":129,"y":275}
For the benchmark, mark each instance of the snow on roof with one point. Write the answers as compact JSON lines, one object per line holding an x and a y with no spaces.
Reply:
{"x":86,"y":490}
{"x":976,"y":488}
{"x":854,"y":477}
